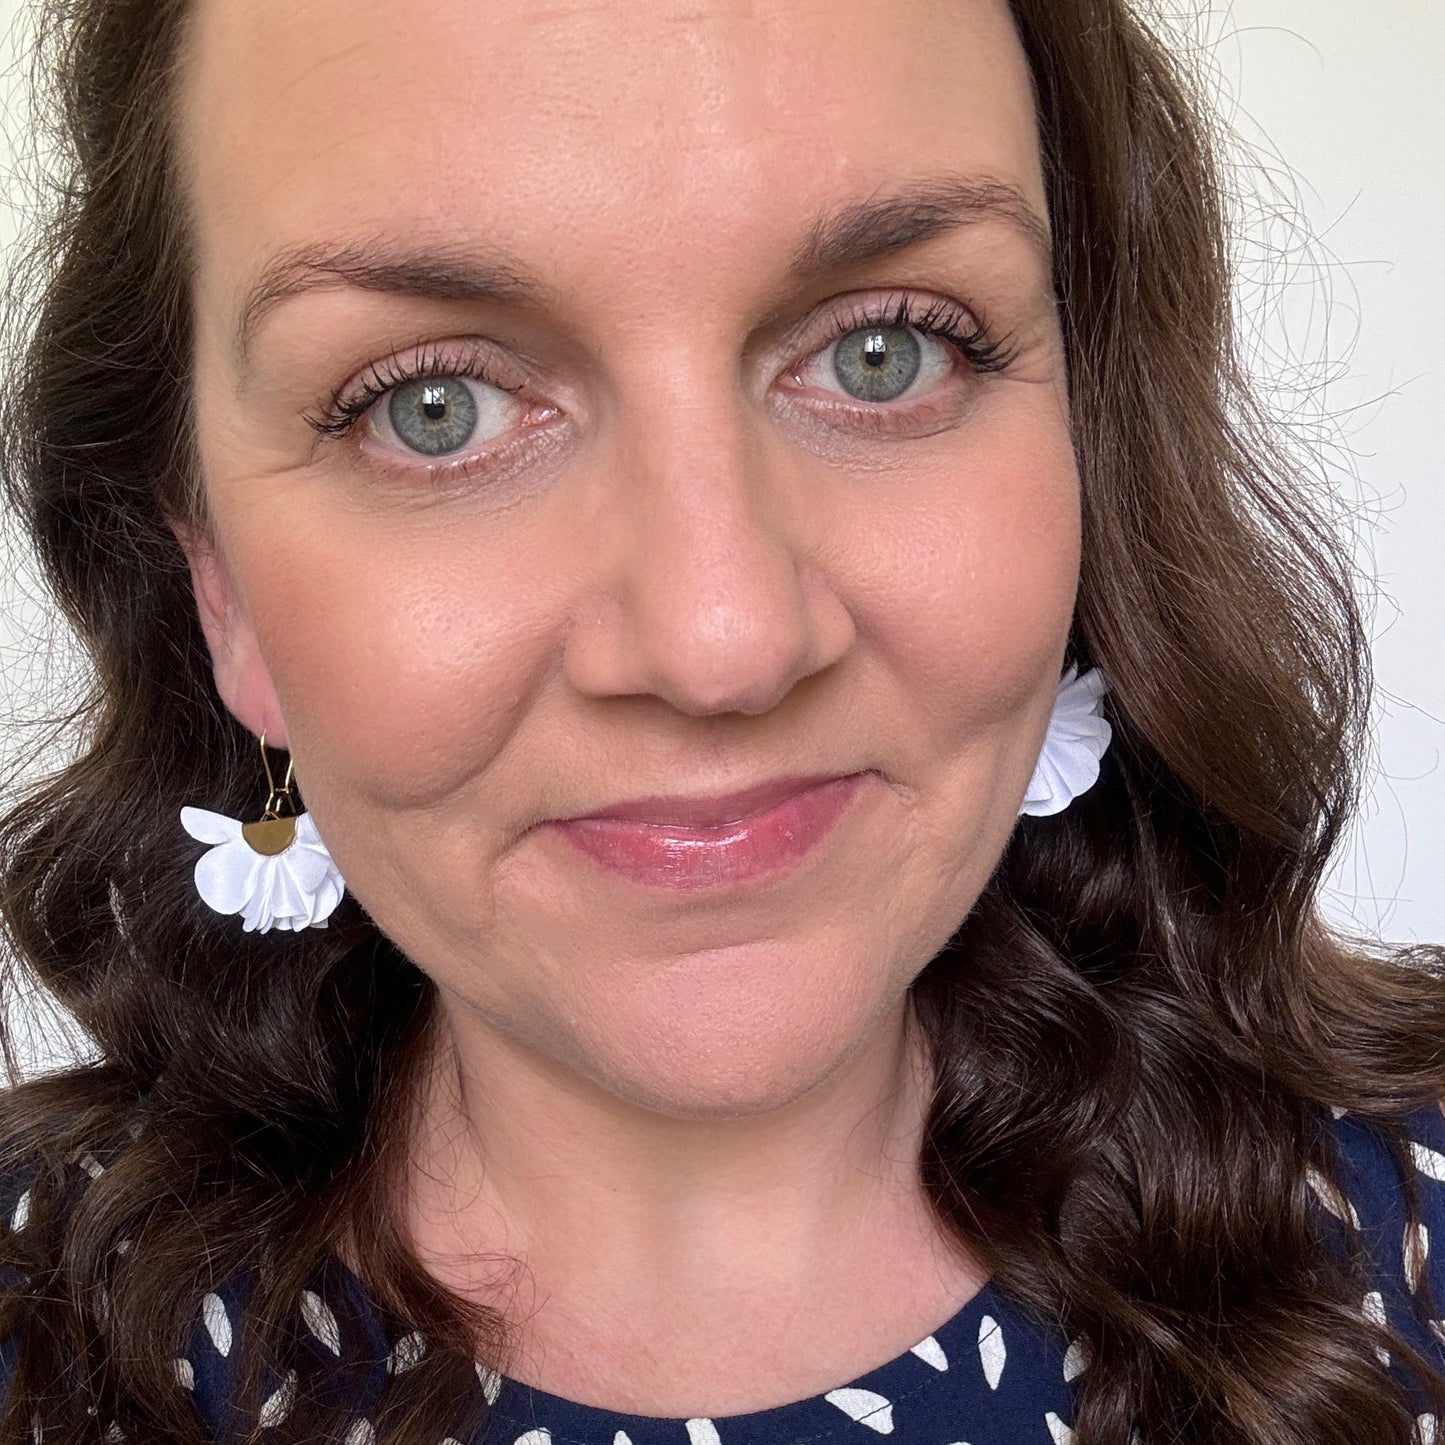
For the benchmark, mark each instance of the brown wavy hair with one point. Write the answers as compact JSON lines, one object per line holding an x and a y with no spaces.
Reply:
{"x":1136,"y":1030}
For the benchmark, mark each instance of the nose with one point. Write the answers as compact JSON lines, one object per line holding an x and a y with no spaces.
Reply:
{"x":707,"y":588}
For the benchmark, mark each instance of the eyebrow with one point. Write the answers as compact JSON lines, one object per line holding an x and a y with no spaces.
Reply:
{"x":863,"y":231}
{"x":848,"y":236}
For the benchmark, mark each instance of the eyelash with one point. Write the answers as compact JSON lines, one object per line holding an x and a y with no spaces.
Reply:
{"x":343,"y":412}
{"x":945,"y":320}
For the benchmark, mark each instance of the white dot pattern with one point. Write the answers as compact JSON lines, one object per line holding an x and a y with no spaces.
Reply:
{"x":989,"y":1376}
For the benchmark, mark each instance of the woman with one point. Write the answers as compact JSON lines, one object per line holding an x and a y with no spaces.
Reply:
{"x":670,"y":485}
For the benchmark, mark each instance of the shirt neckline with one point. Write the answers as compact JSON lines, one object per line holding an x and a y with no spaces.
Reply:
{"x":538,"y":1416}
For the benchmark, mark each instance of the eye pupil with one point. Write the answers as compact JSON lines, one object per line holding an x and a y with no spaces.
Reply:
{"x":877,"y":363}
{"x":435,"y":416}
{"x":434,"y":402}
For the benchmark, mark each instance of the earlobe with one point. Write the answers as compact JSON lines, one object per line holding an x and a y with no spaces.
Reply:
{"x":242,"y":681}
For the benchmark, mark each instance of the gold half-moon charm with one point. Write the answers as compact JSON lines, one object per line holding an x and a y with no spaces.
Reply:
{"x":270,"y":836}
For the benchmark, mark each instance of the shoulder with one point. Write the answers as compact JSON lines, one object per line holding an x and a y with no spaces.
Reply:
{"x":1386,"y":1171}
{"x":1391,"y":1189}
{"x":335,"y":1357}
{"x":14,"y":1214}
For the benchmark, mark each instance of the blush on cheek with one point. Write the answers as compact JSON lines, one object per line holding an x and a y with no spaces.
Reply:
{"x":973,"y":585}
{"x":397,"y":682}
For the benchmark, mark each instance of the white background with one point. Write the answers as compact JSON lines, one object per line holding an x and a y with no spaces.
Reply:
{"x":1337,"y":105}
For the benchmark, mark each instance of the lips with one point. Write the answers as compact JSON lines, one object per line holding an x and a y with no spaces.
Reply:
{"x":709,"y":812}
{"x":727,"y":842}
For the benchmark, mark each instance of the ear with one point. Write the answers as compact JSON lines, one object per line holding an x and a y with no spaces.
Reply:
{"x":240,"y":673}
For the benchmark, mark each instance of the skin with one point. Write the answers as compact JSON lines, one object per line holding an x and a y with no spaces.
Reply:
{"x":672,"y":1139}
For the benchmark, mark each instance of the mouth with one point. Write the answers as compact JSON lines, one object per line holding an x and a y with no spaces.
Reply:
{"x":708,"y":811}
{"x":703,"y":843}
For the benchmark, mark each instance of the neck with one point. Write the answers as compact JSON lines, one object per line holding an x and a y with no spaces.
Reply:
{"x":661,"y":1264}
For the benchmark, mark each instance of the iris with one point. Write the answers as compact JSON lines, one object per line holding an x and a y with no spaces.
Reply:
{"x":878,"y":363}
{"x":433,"y":415}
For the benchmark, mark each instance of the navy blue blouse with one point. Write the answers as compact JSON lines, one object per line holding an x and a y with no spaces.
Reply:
{"x":990,"y":1375}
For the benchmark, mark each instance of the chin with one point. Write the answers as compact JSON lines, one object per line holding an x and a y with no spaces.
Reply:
{"x":736,"y":1064}
{"x":737,"y":1093}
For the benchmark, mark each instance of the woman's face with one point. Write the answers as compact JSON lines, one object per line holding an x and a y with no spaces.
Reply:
{"x":565,"y":442}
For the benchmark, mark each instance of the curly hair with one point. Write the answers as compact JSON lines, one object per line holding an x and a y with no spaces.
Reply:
{"x":1135,"y":1031}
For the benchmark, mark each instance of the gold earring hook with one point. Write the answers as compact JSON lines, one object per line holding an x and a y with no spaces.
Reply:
{"x":266,"y":763}
{"x":274,"y":831}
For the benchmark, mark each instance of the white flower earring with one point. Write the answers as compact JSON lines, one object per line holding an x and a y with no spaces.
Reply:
{"x":1078,"y":737}
{"x":275,"y":872}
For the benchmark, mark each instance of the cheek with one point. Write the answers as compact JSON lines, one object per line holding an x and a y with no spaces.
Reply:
{"x":402,"y":657}
{"x":971,"y":582}
{"x":406,"y":655}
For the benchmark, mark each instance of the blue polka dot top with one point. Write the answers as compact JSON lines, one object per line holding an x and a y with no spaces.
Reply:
{"x":991,"y":1375}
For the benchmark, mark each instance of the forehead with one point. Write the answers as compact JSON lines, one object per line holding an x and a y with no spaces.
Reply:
{"x":682,"y":134}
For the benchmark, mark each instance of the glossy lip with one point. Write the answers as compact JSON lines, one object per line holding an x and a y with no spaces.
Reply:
{"x":709,"y":811}
{"x":770,"y":841}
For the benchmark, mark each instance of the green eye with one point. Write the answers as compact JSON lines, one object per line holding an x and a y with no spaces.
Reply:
{"x":433,"y":415}
{"x":877,"y":363}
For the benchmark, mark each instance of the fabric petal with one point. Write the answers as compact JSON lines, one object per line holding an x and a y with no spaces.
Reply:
{"x":207,"y":827}
{"x":315,"y":873}
{"x":227,"y":877}
{"x":299,"y":888}
{"x":325,"y":900}
{"x":1078,"y":737}
{"x":286,"y":900}
{"x":256,"y":915}
{"x":307,"y":866}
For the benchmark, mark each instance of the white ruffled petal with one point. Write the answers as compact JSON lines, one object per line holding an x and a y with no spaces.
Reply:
{"x":270,"y":903}
{"x":315,"y":871}
{"x":287,"y":899}
{"x":256,"y":915}
{"x":1078,"y":737}
{"x":324,"y":900}
{"x":316,"y":886}
{"x":306,"y":865}
{"x":228,"y":876}
{"x":298,"y":888}
{"x":207,"y":827}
